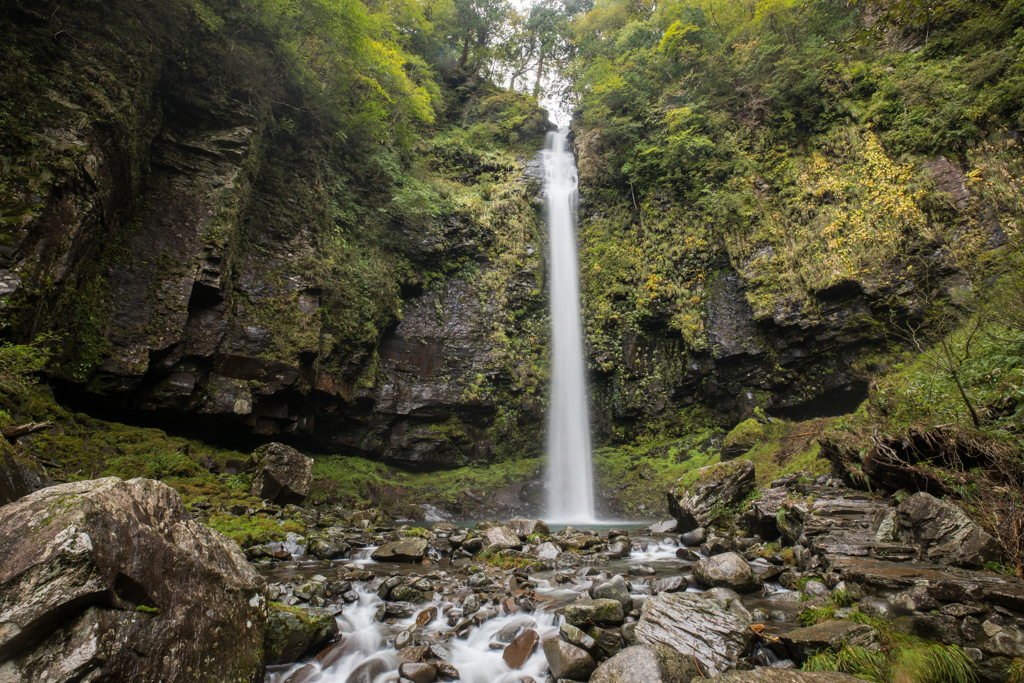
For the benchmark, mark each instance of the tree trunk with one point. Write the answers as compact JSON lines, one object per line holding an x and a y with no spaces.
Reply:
{"x":465,"y":54}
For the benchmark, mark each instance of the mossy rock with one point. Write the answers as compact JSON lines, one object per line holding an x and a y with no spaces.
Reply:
{"x":294,"y":631}
{"x":603,"y":611}
{"x":742,"y":438}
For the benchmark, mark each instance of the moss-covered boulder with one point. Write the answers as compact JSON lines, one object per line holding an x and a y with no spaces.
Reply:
{"x":113,"y":580}
{"x":702,"y":495}
{"x":604,"y":611}
{"x":741,"y":439}
{"x":294,"y":631}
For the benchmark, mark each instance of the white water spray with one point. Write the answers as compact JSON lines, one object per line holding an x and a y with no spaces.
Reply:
{"x":570,"y":479}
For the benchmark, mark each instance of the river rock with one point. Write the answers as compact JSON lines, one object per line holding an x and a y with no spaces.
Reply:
{"x":772,"y":675}
{"x":943,"y":532}
{"x":519,"y":650}
{"x":714,"y":636}
{"x":528,"y":527}
{"x":418,"y":672}
{"x":829,"y":635}
{"x":546,"y":551}
{"x":724,"y":484}
{"x":368,"y":671}
{"x":406,"y":550}
{"x":568,"y":661}
{"x":728,"y":570}
{"x":666,"y":527}
{"x":79,"y":559}
{"x":604,"y":612}
{"x":614,"y":589}
{"x":646,"y":664}
{"x":692,"y":538}
{"x":502,"y":538}
{"x":293,"y":631}
{"x":670,"y":584}
{"x":609,"y":641}
{"x":573,"y":635}
{"x":283,"y":475}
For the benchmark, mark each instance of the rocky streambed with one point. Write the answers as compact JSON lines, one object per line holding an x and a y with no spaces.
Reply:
{"x":113,"y":580}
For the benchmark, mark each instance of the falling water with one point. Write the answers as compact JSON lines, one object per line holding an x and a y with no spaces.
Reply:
{"x":570,"y":480}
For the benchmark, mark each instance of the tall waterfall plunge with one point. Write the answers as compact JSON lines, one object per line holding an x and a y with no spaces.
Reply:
{"x":570,"y":476}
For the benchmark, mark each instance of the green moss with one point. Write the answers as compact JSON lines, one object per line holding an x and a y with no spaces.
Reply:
{"x":493,"y":558}
{"x":81,"y":447}
{"x":253,"y":530}
{"x":636,"y":477}
{"x":360,"y":482}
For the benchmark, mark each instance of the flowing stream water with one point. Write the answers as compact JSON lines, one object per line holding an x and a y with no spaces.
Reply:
{"x":570,"y":478}
{"x":367,"y":649}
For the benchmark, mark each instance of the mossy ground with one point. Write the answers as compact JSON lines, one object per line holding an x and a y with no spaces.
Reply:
{"x":81,"y":447}
{"x":357,"y":482}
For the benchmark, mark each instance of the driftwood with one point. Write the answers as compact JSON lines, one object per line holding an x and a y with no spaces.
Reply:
{"x":25,"y":429}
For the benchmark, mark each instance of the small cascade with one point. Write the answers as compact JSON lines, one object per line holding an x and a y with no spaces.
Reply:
{"x":570,"y":476}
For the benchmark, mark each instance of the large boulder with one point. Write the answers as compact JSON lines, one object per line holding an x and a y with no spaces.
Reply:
{"x":294,"y":631}
{"x":728,"y":570}
{"x":283,"y":475}
{"x":406,"y":550}
{"x":698,"y":494}
{"x":711,"y":635}
{"x":943,"y":532}
{"x":646,"y":664}
{"x":113,"y":580}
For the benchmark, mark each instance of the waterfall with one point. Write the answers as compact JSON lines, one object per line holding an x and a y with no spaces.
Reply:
{"x":570,"y":476}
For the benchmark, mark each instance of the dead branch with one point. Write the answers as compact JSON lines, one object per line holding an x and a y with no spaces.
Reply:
{"x":25,"y":429}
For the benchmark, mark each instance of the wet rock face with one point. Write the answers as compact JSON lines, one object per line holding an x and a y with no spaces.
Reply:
{"x":715,"y":637}
{"x":113,"y":580}
{"x":284,"y":475}
{"x":718,"y":485}
{"x":945,"y":534}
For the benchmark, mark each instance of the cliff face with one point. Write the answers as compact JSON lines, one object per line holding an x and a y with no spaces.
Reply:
{"x":180,"y":234}
{"x":204,"y":240}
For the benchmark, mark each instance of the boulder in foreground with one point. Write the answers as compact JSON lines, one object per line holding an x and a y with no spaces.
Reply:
{"x":711,"y":635}
{"x":646,"y":664}
{"x":112,"y":580}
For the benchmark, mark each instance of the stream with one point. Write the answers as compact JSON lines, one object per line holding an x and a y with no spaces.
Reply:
{"x":369,"y":645}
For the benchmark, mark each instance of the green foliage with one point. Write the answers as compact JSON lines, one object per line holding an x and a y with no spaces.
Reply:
{"x":20,"y":364}
{"x":900,"y":658}
{"x":255,"y":530}
{"x":493,"y":558}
